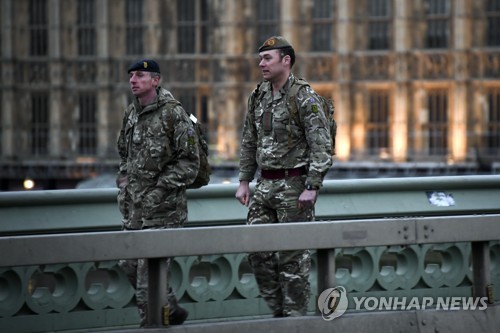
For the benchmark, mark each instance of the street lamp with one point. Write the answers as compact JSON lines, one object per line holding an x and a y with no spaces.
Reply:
{"x":28,"y":184}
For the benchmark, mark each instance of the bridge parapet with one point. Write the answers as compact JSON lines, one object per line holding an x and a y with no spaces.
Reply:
{"x":378,"y":238}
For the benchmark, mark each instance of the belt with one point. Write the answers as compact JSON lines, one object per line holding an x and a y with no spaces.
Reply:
{"x":283,"y":173}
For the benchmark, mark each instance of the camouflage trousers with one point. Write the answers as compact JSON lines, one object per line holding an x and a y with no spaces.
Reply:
{"x":282,"y":277}
{"x":141,"y":210}
{"x":137,"y":273}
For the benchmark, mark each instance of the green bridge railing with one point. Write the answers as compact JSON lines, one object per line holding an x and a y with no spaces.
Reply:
{"x":397,"y":247}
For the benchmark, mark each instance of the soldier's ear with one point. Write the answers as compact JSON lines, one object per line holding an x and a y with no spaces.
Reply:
{"x":156,"y":80}
{"x":287,"y":60}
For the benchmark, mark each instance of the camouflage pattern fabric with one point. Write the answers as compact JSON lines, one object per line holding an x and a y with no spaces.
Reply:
{"x":159,"y":157}
{"x":265,"y":142}
{"x":282,"y":277}
{"x":158,"y":162}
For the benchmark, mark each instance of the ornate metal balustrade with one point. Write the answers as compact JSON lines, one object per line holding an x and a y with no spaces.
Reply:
{"x":95,"y":293}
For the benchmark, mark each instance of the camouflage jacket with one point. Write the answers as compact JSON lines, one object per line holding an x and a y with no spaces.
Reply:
{"x":157,"y":144}
{"x":271,"y":139}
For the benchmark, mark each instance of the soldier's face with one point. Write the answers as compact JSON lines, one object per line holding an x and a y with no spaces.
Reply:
{"x":141,"y":83}
{"x":271,"y":64}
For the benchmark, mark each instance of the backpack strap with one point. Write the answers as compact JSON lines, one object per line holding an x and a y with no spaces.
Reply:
{"x":167,"y":112}
{"x":166,"y":115}
{"x":256,"y":97}
{"x":293,"y":107}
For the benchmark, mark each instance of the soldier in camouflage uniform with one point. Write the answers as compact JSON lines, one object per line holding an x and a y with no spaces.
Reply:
{"x":159,"y":158}
{"x":293,"y":159}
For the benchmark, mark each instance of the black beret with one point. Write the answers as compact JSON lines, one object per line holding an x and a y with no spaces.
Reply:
{"x":275,"y":42}
{"x":145,"y":65}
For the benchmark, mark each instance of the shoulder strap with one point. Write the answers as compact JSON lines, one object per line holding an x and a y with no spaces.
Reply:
{"x":256,"y":97}
{"x":128,"y":111}
{"x":166,"y":114}
{"x":292,"y":100}
{"x":293,"y":106}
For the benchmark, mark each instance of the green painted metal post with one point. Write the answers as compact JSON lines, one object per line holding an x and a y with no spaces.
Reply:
{"x":157,"y":291}
{"x":481,"y":268}
{"x":326,"y":269}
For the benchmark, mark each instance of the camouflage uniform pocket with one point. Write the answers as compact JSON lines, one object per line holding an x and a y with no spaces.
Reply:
{"x":130,"y":219}
{"x":296,"y":185}
{"x":155,"y":204}
{"x":267,"y":122}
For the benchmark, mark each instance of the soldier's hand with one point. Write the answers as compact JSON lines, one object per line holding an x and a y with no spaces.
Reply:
{"x":307,"y":199}
{"x":121,"y":181}
{"x":243,"y":193}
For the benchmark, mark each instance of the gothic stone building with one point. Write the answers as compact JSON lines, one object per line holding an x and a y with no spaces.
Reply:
{"x":414,"y":81}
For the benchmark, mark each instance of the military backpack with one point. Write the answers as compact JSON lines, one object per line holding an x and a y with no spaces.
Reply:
{"x":205,"y":170}
{"x":203,"y":176}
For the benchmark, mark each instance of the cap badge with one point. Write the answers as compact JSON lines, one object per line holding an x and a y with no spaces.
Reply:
{"x":145,"y":63}
{"x":270,"y":42}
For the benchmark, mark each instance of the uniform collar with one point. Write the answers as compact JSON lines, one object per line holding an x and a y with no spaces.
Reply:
{"x":283,"y":90}
{"x":162,"y":96}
